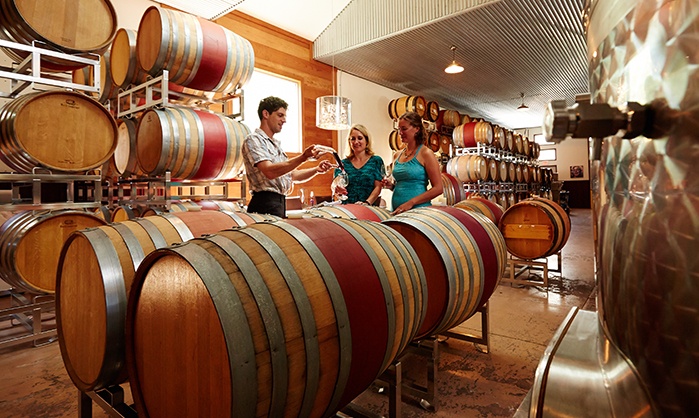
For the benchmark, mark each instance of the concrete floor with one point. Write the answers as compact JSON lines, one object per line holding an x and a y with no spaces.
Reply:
{"x":34,"y":383}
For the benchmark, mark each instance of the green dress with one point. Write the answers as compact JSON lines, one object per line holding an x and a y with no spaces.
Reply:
{"x":361,"y":180}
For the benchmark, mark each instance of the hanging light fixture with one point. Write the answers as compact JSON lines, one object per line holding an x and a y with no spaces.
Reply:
{"x":453,"y":68}
{"x":333,"y":112}
{"x":522,"y":107}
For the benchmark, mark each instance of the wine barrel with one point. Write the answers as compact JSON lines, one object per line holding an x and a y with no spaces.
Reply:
{"x":498,"y":137}
{"x":351,"y":211}
{"x":432,"y":111}
{"x":125,"y":159}
{"x":397,"y":107}
{"x":123,"y":62}
{"x":394,"y":141}
{"x":493,"y":169}
{"x":231,"y":206}
{"x":59,"y":130}
{"x":299,"y":327}
{"x":519,"y":177}
{"x":30,"y":245}
{"x":453,"y":188}
{"x":218,"y":61}
{"x":95,"y":274}
{"x":192,"y":144}
{"x":450,"y":117}
{"x":445,"y":144}
{"x":463,"y":256}
{"x":86,"y":76}
{"x":518,"y":147}
{"x":509,"y":144}
{"x":512,"y":171}
{"x":468,"y":168}
{"x":433,"y":142}
{"x":503,"y":171}
{"x":77,"y":27}
{"x":470,"y":134}
{"x":526,"y":146}
{"x":124,"y":213}
{"x":535,"y":228}
{"x":491,"y":210}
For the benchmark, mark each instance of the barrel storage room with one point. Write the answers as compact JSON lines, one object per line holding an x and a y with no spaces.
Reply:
{"x":349,"y":208}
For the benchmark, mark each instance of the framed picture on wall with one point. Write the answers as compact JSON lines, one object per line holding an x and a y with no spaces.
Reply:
{"x":576,"y":171}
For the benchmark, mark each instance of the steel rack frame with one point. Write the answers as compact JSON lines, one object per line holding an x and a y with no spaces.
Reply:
{"x":92,"y":183}
{"x":28,"y":73}
{"x":110,"y":399}
{"x":529,"y":265}
{"x":29,"y":314}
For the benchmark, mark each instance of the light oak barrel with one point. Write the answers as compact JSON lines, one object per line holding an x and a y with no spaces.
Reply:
{"x":30,"y":245}
{"x":95,"y":275}
{"x":535,"y":228}
{"x":198,"y":53}
{"x":39,"y":129}
{"x":75,"y":27}
{"x":284,"y":346}
{"x":86,"y":76}
{"x":453,"y":188}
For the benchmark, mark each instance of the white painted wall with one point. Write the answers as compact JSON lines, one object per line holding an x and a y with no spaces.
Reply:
{"x":129,"y":12}
{"x":568,"y":153}
{"x":369,"y":108}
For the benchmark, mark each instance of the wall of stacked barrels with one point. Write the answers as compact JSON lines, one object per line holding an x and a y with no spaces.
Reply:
{"x":488,"y":159}
{"x":75,"y":132}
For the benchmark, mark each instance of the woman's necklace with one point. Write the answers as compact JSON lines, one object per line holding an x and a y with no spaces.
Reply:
{"x":408,"y":153}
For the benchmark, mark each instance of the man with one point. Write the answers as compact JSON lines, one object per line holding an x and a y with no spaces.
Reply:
{"x":270,"y":172}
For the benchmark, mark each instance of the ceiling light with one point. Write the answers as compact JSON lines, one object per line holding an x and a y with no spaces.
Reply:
{"x":522,"y":107}
{"x":453,"y":68}
{"x":334,"y":112}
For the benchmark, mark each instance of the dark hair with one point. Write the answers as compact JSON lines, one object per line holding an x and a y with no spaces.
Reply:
{"x":414,"y":119}
{"x":270,"y":104}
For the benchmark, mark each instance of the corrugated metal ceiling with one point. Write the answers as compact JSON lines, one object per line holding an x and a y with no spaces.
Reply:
{"x":508,"y":47}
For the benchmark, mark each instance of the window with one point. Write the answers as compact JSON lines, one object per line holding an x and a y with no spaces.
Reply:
{"x":541,"y":140}
{"x":263,"y":84}
{"x":547,"y":155}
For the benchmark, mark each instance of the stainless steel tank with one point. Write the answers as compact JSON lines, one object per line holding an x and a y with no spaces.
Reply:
{"x":644,"y":348}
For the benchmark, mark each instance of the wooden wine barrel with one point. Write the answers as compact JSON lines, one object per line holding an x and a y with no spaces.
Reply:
{"x":124,"y":159}
{"x":518,"y":147}
{"x":192,"y":144}
{"x":59,"y":130}
{"x":535,"y":228}
{"x":498,"y":137}
{"x":433,"y":142}
{"x":445,"y":144}
{"x":502,"y":200}
{"x":512,"y":172}
{"x":432,"y":111}
{"x":468,"y":168}
{"x":124,"y":213}
{"x":519,"y":177}
{"x":77,"y":27}
{"x":502,"y":170}
{"x":450,"y":117}
{"x":470,"y":134}
{"x":351,"y":211}
{"x":491,"y":210}
{"x":95,"y":275}
{"x":299,"y":327}
{"x":123,"y":61}
{"x":509,"y":144}
{"x":536,"y":150}
{"x":394,"y":141}
{"x":30,"y":245}
{"x":493,"y":169}
{"x":218,"y":61}
{"x":150,"y":211}
{"x":463,"y":256}
{"x":85,"y":76}
{"x":397,"y":107}
{"x":526,"y":146}
{"x":453,"y":188}
{"x":103,"y":213}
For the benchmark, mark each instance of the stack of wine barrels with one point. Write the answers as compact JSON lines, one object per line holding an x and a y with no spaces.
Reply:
{"x":468,"y":167}
{"x":282,"y":321}
{"x":397,"y":107}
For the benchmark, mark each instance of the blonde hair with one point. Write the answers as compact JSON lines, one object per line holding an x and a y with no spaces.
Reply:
{"x":365,"y":133}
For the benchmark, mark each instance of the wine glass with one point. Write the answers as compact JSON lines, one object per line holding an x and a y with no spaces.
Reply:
{"x":387,"y":173}
{"x":341,"y":180}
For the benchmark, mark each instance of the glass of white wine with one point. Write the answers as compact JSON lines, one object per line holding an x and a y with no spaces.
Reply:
{"x":341,"y":180}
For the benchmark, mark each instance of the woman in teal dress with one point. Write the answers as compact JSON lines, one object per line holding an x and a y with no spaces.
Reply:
{"x":363,"y":170}
{"x":413,"y":168}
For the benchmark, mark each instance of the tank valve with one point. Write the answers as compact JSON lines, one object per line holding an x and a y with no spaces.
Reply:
{"x":599,"y":120}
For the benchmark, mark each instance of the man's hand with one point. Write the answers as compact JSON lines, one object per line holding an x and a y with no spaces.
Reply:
{"x":323,"y":167}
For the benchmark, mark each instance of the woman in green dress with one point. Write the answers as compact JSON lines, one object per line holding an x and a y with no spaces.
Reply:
{"x":363,"y":170}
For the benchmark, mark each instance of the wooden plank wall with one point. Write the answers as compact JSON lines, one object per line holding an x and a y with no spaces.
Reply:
{"x":286,"y":54}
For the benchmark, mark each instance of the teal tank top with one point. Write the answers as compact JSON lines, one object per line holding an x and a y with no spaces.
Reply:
{"x":411,"y":180}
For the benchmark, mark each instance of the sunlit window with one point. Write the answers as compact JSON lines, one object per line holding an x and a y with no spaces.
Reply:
{"x":263,"y":84}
